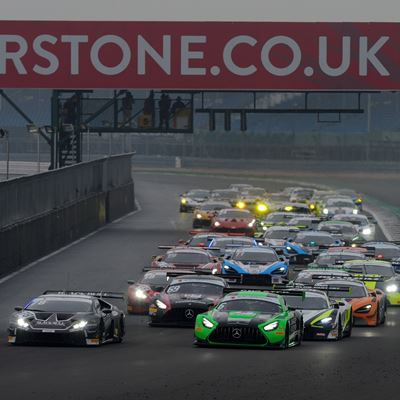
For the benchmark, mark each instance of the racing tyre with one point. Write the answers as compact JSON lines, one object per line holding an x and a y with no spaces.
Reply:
{"x":350,"y":328}
{"x":378,"y":317}
{"x":383,"y":319}
{"x":286,"y":342}
{"x":121,"y":331}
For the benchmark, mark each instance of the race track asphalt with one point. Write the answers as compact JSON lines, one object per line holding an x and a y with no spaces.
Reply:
{"x":162,"y":363}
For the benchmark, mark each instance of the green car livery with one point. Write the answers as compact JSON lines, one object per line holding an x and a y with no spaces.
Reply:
{"x":250,"y":318}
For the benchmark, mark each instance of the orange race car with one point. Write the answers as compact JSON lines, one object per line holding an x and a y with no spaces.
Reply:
{"x":369,"y":306}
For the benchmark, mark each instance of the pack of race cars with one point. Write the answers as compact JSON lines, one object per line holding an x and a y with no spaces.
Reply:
{"x":260,"y":269}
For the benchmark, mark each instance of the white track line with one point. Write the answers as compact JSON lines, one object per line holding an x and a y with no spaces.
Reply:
{"x":32,"y":264}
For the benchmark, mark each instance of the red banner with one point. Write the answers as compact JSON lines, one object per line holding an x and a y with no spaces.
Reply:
{"x":200,"y":55}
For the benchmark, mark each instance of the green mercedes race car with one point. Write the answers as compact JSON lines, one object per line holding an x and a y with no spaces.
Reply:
{"x":250,"y":318}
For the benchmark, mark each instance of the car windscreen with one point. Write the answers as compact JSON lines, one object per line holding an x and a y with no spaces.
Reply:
{"x":196,"y":240}
{"x":199,"y":288}
{"x":213,"y":207}
{"x":234,"y":214}
{"x":317,"y":240}
{"x":358,"y":220}
{"x":228,"y":194}
{"x":355,"y":291}
{"x":248,"y":257}
{"x":306,"y":303}
{"x":388,"y":252}
{"x":338,"y":228}
{"x":155,"y":278}
{"x":339,"y":203}
{"x":386,"y":271}
{"x":250,"y":305}
{"x":254,"y":192}
{"x":52,"y":304}
{"x":198,"y":193}
{"x":278,"y":234}
{"x":274,"y":218}
{"x":334,"y":258}
{"x":187,"y":258}
{"x":230,"y":242}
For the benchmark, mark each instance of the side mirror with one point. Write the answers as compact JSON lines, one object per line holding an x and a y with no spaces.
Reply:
{"x":228,"y":257}
{"x":215,"y":260}
{"x":107,"y":311}
{"x":130,"y":282}
{"x":281,"y":258}
{"x":181,"y":241}
{"x":153,"y":257}
{"x":18,"y":308}
{"x":291,"y":308}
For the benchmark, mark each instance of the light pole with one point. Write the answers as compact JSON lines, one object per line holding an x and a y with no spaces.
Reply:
{"x":4,"y":134}
{"x":34,"y":130}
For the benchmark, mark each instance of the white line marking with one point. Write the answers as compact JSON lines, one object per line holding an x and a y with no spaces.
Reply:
{"x":32,"y":264}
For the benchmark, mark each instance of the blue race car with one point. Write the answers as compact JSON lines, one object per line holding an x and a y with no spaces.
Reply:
{"x":224,"y":246}
{"x":255,"y":261}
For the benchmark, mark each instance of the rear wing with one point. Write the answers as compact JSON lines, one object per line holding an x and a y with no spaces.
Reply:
{"x":251,"y":279}
{"x":100,"y":294}
{"x":316,"y":277}
{"x":368,"y":278}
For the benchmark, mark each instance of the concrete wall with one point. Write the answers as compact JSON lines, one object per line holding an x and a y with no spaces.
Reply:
{"x":32,"y":237}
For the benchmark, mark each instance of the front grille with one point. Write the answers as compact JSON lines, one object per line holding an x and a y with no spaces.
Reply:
{"x":177,"y":315}
{"x":75,"y":338}
{"x":238,"y":334}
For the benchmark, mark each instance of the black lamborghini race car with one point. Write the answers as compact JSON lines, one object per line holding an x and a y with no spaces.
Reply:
{"x":68,"y":318}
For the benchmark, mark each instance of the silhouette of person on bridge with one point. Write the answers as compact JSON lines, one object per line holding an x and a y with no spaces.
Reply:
{"x":164,"y":105}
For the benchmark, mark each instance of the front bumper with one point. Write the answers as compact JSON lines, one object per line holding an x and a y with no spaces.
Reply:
{"x":79,"y":338}
{"x":311,"y":333}
{"x":176,"y":316}
{"x":364,"y":320}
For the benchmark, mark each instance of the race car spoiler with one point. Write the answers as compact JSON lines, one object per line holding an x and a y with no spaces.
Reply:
{"x":368,"y":278}
{"x":327,"y":276}
{"x":101,"y":294}
{"x":251,"y":279}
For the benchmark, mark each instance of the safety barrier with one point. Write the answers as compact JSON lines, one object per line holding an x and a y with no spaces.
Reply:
{"x":41,"y":213}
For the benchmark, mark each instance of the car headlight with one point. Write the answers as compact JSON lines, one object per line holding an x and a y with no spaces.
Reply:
{"x":216,"y":223}
{"x":280,"y":270}
{"x":312,"y":206}
{"x":183,"y":201}
{"x":198,"y":216}
{"x":240,"y":204}
{"x":79,"y":325}
{"x":325,"y":211}
{"x":288,"y":208}
{"x":207,"y":323}
{"x":262,"y":207}
{"x":364,"y":309}
{"x":326,"y":320}
{"x":391,"y":288}
{"x":366,"y":231}
{"x":161,"y":305}
{"x":271,"y":326}
{"x":140,"y":294}
{"x":228,"y":268}
{"x":264,"y":228}
{"x":355,"y":211}
{"x":22,"y":323}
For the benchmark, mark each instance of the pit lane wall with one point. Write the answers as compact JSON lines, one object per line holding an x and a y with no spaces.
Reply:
{"x":43,"y":212}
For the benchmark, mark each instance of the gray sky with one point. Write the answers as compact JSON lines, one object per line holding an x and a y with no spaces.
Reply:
{"x":203,"y":10}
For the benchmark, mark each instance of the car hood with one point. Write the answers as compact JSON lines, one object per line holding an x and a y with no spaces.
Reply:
{"x":248,"y":318}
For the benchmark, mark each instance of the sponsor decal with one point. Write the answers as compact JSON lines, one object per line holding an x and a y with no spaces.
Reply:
{"x":200,"y":55}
